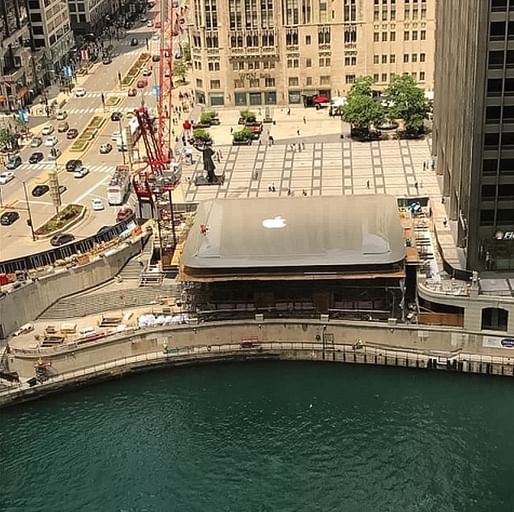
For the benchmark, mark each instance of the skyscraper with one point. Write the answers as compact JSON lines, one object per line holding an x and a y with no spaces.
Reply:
{"x":474,"y":126}
{"x":267,"y":52}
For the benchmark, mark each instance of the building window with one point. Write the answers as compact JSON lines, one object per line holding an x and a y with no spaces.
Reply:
{"x":255,"y":98}
{"x":293,"y":81}
{"x":269,"y":82}
{"x":215,"y":84}
{"x":384,"y":59}
{"x":384,"y":36}
{"x":294,"y":97}
{"x":414,"y":57}
{"x":384,"y":77}
{"x":422,"y":57}
{"x":216,"y":100}
{"x":239,"y":84}
{"x":308,"y":80}
{"x":392,"y":58}
{"x":405,"y":57}
{"x":199,"y":82}
{"x":270,"y":98}
{"x":375,"y":59}
{"x":255,"y":83}
{"x":375,"y":77}
{"x":240,"y":98}
{"x":376,"y":37}
{"x":349,"y":79}
{"x":414,"y":35}
{"x":308,"y":63}
{"x":423,"y":34}
{"x":421,"y":76}
{"x":406,"y":35}
{"x":414,"y":75}
{"x":324,"y":80}
{"x":392,"y":36}
{"x":307,"y":40}
{"x":495,"y":319}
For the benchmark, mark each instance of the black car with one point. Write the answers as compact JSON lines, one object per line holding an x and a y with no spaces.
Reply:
{"x":116,"y":116}
{"x":9,"y":218}
{"x":36,"y":157}
{"x":40,"y":190}
{"x":61,"y":239}
{"x":73,"y":165}
{"x":106,"y":60}
{"x":134,"y":42}
{"x":156,"y":57}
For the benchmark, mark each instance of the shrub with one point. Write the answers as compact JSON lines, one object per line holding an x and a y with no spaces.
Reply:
{"x":242,"y":135}
{"x":201,"y":135}
{"x":248,"y":116}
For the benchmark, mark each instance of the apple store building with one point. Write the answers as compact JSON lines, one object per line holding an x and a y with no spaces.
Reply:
{"x":296,"y":257}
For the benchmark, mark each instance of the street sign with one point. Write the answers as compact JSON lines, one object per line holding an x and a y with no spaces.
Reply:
{"x":53,"y":183}
{"x":23,"y":115}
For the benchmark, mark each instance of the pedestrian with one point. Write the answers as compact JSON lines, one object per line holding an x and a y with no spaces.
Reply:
{"x":231,"y":130}
{"x":304,"y":192}
{"x":424,"y":166}
{"x":416,"y":186}
{"x":273,"y":189}
{"x":270,"y":189}
{"x":288,"y":111}
{"x":289,"y":192}
{"x":140,"y":261}
{"x":221,"y":154}
{"x":367,"y":184}
{"x":304,"y":120}
{"x":445,"y":222}
{"x":298,"y":132}
{"x":184,"y":140}
{"x":303,"y":145}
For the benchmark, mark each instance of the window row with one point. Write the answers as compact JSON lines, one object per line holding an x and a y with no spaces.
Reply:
{"x":253,"y":64}
{"x":383,"y":76}
{"x":294,"y":81}
{"x":413,"y":35}
{"x":391,"y":59}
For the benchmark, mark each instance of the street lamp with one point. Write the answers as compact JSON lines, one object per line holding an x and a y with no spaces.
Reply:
{"x":29,"y":221}
{"x":121,"y":139}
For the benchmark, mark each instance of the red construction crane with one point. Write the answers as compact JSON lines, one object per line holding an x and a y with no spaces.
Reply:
{"x":159,"y":174}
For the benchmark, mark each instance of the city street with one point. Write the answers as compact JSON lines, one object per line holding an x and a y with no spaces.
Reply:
{"x":102,"y":79}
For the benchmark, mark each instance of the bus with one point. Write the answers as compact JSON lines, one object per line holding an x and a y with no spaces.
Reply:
{"x":119,"y":185}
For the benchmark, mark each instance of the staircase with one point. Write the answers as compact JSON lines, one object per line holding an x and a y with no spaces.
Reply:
{"x":151,"y":276}
{"x":83,"y":305}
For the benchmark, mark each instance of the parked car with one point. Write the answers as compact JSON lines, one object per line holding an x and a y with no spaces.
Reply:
{"x":156,"y":36}
{"x":9,"y":218}
{"x":6,"y":177}
{"x":147,"y":72}
{"x":73,"y":165}
{"x":72,"y":133}
{"x":47,"y":130}
{"x":132,"y":92}
{"x":124,"y":213}
{"x":62,"y":189}
{"x":142,"y":83}
{"x":97,"y":204}
{"x":13,"y":163}
{"x":134,"y":41}
{"x":61,"y":116}
{"x":80,"y":92}
{"x":156,"y":57}
{"x":36,"y":157}
{"x":149,"y":23}
{"x":54,"y":154}
{"x":116,"y":116}
{"x":36,"y":142}
{"x":51,"y":141}
{"x":40,"y":190}
{"x":116,"y":135}
{"x":103,"y":230}
{"x":63,"y":126}
{"x":61,"y":239}
{"x":105,"y":148}
{"x":80,"y":173}
{"x":106,"y":60}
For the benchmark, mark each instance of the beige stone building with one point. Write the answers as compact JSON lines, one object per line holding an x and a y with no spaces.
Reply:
{"x":267,"y":52}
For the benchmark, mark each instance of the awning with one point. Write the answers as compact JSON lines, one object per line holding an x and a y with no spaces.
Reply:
{"x":3,"y":98}
{"x":321,"y":99}
{"x":22,"y":92}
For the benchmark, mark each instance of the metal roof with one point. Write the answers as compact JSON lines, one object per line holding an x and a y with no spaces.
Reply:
{"x":295,"y":232}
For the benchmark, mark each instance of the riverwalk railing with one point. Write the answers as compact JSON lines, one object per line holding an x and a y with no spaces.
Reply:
{"x":313,"y":351}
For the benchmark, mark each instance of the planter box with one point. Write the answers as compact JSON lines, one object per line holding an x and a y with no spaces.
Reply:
{"x":247,"y":142}
{"x":64,"y":227}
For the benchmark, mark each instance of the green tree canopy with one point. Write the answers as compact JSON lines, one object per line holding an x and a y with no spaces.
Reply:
{"x":408,"y":102}
{"x":8,"y":140}
{"x":361,"y":109}
{"x":180,"y":70}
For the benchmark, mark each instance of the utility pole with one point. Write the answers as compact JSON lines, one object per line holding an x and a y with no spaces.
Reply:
{"x":29,"y":222}
{"x":121,"y":139}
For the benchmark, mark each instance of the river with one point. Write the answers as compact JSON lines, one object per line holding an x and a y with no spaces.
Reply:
{"x":268,"y":436}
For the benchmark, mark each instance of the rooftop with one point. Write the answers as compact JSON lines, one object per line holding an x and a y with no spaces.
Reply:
{"x":295,"y":233}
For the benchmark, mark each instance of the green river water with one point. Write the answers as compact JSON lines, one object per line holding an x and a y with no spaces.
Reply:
{"x":268,"y":436}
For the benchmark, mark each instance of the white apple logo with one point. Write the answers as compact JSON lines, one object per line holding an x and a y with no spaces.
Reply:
{"x":274,"y":223}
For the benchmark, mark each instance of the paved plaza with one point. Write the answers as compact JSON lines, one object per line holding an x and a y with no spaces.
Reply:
{"x":393,"y":167}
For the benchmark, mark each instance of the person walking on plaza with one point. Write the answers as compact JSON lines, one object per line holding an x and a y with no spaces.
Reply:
{"x":304,"y":120}
{"x":140,"y":261}
{"x":298,"y":132}
{"x":367,"y":184}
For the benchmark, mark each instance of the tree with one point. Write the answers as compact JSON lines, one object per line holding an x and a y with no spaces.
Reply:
{"x":361,"y":109}
{"x":8,"y":140}
{"x":408,"y":102}
{"x":186,"y":51}
{"x":201,"y":136}
{"x":180,"y":70}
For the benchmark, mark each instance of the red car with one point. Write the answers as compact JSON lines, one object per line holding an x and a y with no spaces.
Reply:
{"x":123,"y":214}
{"x":132,"y":92}
{"x":72,"y":133}
{"x":142,"y":83}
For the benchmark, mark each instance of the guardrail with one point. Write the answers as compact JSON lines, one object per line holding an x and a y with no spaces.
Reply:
{"x":46,"y":258}
{"x":316,"y":351}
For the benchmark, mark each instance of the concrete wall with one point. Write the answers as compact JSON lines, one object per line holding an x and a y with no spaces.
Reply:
{"x":28,"y":302}
{"x":144,"y":341}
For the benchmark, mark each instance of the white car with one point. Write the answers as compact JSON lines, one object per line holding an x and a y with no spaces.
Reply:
{"x":116,"y":135}
{"x":47,"y":130}
{"x":97,"y":204}
{"x":83,"y":171}
{"x":156,"y":36}
{"x":51,"y":141}
{"x":61,"y":116}
{"x":80,"y":92}
{"x":149,"y":23}
{"x":6,"y":177}
{"x":147,"y":72}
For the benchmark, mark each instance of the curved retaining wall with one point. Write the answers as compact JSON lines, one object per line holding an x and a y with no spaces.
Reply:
{"x":278,"y":339}
{"x":30,"y":300}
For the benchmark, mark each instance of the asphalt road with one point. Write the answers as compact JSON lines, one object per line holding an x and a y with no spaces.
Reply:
{"x":15,"y":240}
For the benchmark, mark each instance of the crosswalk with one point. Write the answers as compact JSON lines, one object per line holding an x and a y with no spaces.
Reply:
{"x":107,"y":94}
{"x":100,"y":110}
{"x":50,"y":166}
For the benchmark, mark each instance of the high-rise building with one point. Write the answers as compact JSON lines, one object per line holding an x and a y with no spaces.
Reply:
{"x":267,"y":52}
{"x":474,"y":127}
{"x":17,"y":67}
{"x":52,"y":36}
{"x":90,"y":16}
